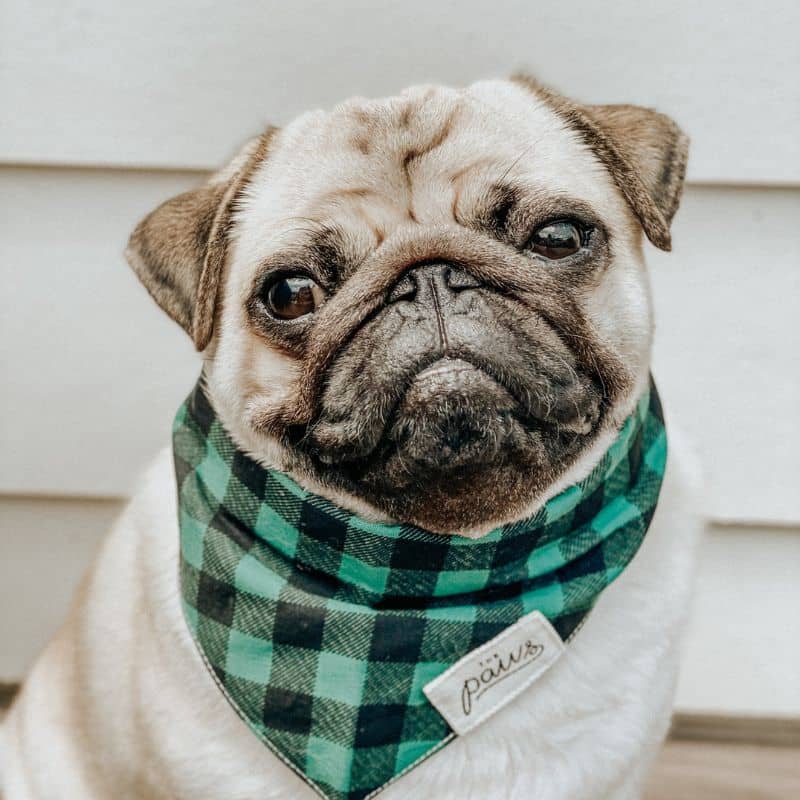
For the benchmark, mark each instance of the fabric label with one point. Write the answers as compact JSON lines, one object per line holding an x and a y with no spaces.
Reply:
{"x":487,"y":678}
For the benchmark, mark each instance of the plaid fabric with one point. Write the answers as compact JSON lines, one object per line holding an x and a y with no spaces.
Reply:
{"x":321,"y":628}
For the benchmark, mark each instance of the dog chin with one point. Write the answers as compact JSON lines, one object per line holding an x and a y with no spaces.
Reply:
{"x":469,"y":500}
{"x":459,"y":451}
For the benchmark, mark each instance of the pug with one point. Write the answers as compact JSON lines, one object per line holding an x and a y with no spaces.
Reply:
{"x":430,"y":310}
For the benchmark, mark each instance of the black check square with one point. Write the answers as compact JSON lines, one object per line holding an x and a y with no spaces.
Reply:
{"x":379,"y":724}
{"x":231,"y":527}
{"x":320,"y":526}
{"x":512,"y":549}
{"x":589,"y":508}
{"x":216,"y":599}
{"x":396,"y":638}
{"x":482,"y":632}
{"x":313,"y":582}
{"x":287,"y":711}
{"x":298,"y":625}
{"x":250,"y":475}
{"x":592,"y":561}
{"x":425,"y":557}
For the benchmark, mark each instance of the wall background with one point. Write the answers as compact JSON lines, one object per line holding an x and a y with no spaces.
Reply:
{"x":112,"y":109}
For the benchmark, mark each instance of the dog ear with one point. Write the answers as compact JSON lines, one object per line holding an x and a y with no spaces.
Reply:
{"x":178,"y":251}
{"x":645,"y":152}
{"x":654,"y":144}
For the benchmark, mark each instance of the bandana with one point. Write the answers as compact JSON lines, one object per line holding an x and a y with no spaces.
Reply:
{"x":321,"y":628}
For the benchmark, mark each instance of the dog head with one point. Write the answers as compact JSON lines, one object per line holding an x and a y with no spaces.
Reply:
{"x":431,"y":308}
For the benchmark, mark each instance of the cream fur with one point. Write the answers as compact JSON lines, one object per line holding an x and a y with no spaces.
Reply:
{"x":120,"y":705}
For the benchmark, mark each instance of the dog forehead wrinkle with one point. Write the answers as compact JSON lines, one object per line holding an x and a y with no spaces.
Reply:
{"x":418,"y":151}
{"x":398,"y":130}
{"x":496,"y":125}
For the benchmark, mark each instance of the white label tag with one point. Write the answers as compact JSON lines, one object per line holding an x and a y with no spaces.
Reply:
{"x":487,"y":678}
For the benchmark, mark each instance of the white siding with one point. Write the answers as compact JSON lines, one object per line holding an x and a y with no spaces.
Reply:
{"x":742,"y":648}
{"x":97,"y":370}
{"x":178,"y":84}
{"x":728,"y":345}
{"x":45,"y":548}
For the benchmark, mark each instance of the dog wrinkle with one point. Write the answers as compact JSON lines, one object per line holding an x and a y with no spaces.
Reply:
{"x":378,"y":232}
{"x":413,"y":154}
{"x":360,"y":201}
{"x":413,"y":107}
{"x":457,"y":182}
{"x":404,"y":120}
{"x":361,"y":142}
{"x":359,"y":192}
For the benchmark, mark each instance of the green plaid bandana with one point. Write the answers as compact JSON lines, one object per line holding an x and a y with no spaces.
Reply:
{"x":321,"y":628}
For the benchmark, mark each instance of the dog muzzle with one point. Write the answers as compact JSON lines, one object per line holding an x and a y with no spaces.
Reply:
{"x":355,"y":650}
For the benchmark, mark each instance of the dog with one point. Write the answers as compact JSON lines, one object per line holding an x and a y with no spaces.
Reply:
{"x":377,"y":290}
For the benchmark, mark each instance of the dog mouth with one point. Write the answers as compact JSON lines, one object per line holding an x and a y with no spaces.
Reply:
{"x":453,"y":415}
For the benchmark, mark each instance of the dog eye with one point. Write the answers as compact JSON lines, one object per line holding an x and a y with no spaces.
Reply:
{"x":293,"y":296}
{"x":557,"y":239}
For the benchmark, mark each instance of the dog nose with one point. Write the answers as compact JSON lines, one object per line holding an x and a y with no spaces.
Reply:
{"x":440,"y":279}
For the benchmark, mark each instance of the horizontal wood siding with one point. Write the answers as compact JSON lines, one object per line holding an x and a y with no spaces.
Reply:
{"x":179,"y":84}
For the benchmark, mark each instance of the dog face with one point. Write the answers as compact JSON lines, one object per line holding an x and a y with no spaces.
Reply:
{"x":431,"y":308}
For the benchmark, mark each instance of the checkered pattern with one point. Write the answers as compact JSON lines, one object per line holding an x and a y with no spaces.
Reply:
{"x":321,"y":628}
